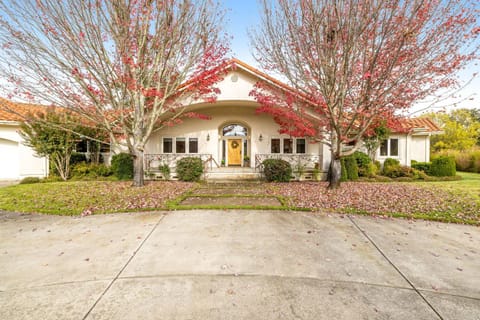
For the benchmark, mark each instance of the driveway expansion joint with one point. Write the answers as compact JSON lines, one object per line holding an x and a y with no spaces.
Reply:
{"x":123,"y":268}
{"x":395,"y":267}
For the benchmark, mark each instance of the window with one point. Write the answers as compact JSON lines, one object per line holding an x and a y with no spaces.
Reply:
{"x":287,"y":145}
{"x":389,"y":148}
{"x":275,"y":146}
{"x":180,"y":145}
{"x":167,"y":145}
{"x":234,"y":130}
{"x":301,"y":146}
{"x":192,"y":145}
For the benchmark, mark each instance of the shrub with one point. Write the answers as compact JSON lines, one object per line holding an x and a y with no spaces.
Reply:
{"x":422,"y":166}
{"x":397,"y":171}
{"x":30,"y":180}
{"x":391,"y":162}
{"x":91,"y":170}
{"x":351,"y":167}
{"x":122,"y":166}
{"x":443,"y":167}
{"x":277,"y":170}
{"x":77,"y":158}
{"x":344,"y":175}
{"x":189,"y":169}
{"x":364,"y":164}
{"x":165,"y":171}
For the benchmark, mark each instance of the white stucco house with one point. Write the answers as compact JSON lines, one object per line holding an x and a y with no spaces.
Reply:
{"x":233,"y":143}
{"x":17,"y":161}
{"x":237,"y":139}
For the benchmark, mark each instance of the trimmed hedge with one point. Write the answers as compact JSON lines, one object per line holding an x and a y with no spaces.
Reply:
{"x":443,"y":166}
{"x":189,"y":169}
{"x":422,"y":166}
{"x":122,"y":166}
{"x":364,"y":163}
{"x":344,"y":175}
{"x":351,"y":167}
{"x":92,"y":170}
{"x":277,"y":170}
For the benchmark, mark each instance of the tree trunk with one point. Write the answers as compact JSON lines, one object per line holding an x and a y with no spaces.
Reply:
{"x":334,"y":173}
{"x":138,"y":175}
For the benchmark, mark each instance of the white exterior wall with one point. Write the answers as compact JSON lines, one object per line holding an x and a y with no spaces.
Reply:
{"x":410,"y":147}
{"x":222,"y":115}
{"x":18,"y":161}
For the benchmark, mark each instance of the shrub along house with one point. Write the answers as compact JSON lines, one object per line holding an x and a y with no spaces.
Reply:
{"x":236,"y":139}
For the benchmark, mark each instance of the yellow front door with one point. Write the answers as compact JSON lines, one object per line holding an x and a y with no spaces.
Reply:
{"x":234,"y":152}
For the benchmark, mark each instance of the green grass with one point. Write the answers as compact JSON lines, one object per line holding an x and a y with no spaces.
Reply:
{"x":468,"y":186}
{"x":88,"y":197}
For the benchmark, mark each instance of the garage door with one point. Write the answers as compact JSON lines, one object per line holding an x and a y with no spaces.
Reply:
{"x":9,"y":168}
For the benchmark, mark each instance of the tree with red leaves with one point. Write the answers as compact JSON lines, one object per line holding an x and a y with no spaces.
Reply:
{"x":352,"y":63}
{"x":129,"y":67}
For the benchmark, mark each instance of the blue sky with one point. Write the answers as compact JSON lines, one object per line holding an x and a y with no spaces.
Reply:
{"x":243,"y":15}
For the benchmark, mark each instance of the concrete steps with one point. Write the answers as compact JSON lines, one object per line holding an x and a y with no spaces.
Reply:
{"x":232,"y":174}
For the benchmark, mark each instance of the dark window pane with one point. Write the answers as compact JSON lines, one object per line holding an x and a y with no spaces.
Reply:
{"x":193,"y":145}
{"x":81,"y":146}
{"x":104,"y":147}
{"x":287,"y":145}
{"x":167,"y":145}
{"x":275,"y":146}
{"x":384,"y":148}
{"x":180,"y":145}
{"x":301,"y":147}
{"x":394,"y":147}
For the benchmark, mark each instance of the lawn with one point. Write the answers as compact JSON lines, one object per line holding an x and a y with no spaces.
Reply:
{"x":89,"y":197}
{"x":448,"y":201}
{"x":468,"y":186}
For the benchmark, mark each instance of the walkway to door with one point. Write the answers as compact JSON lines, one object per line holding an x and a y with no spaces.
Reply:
{"x":223,"y":195}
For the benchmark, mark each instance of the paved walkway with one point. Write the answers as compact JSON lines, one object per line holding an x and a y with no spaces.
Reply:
{"x":236,"y":265}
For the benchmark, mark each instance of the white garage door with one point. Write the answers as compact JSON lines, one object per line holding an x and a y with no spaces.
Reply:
{"x":9,"y":168}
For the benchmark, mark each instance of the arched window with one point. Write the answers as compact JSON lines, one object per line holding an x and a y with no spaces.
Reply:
{"x":234,"y":130}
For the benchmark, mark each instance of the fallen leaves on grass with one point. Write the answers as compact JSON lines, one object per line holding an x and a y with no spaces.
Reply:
{"x":90,"y":197}
{"x":380,"y":199}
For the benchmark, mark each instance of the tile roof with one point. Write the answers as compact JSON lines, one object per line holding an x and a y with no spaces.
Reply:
{"x":423,"y":124}
{"x":16,"y":111}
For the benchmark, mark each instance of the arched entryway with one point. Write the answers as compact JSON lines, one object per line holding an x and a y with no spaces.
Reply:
{"x":235,"y":144}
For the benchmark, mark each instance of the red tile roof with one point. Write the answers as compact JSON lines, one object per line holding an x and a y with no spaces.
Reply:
{"x":16,"y":111}
{"x":424,"y":124}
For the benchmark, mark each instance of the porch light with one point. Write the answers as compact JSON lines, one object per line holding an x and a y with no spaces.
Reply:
{"x":208,"y":136}
{"x":260,"y":138}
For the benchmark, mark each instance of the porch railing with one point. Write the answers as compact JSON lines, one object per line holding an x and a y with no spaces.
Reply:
{"x":297,"y":161}
{"x":152,"y":162}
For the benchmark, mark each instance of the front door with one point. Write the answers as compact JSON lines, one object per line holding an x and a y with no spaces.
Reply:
{"x":234,"y":152}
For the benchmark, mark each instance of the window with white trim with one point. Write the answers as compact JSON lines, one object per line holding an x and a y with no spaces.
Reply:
{"x":389,"y":148}
{"x":167,"y":145}
{"x":192,"y":145}
{"x":288,"y":145}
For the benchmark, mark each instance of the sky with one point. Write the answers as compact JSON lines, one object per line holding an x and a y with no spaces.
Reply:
{"x":243,"y":15}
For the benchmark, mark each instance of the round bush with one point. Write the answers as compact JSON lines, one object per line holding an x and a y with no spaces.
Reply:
{"x":189,"y":169}
{"x":364,"y":164}
{"x":277,"y":170}
{"x":122,"y":166}
{"x":443,"y":167}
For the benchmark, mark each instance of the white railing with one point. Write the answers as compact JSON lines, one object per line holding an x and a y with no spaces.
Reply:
{"x":152,"y":162}
{"x":297,"y":161}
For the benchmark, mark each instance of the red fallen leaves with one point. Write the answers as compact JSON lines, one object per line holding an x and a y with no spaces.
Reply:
{"x":379,"y":199}
{"x":121,"y":196}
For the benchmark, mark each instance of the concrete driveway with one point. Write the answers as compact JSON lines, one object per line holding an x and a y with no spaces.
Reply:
{"x":236,"y":265}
